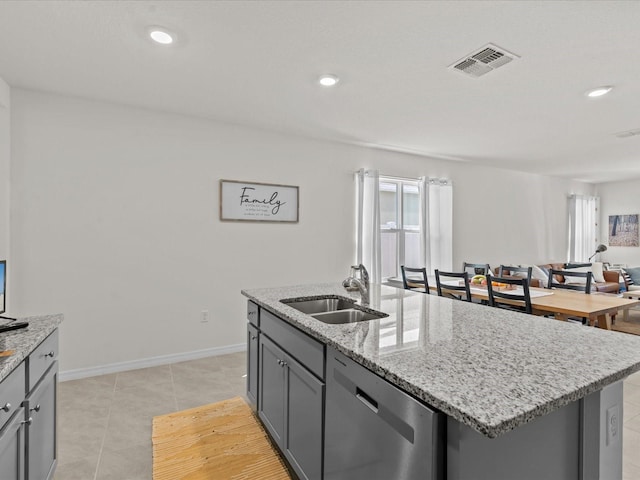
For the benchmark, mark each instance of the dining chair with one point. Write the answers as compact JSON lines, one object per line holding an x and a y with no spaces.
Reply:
{"x":412,"y":282}
{"x":508,"y":270}
{"x":449,"y":289}
{"x":582,"y":286}
{"x":577,"y":265}
{"x":519,"y":301}
{"x":476,"y":268}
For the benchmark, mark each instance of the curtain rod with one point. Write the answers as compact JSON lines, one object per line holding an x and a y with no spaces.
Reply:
{"x":431,"y":180}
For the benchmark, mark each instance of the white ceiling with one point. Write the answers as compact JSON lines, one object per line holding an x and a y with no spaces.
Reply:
{"x":256,"y":63}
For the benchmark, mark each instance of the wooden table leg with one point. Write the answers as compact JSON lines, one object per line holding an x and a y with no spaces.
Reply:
{"x":604,"y":321}
{"x":625,"y":315}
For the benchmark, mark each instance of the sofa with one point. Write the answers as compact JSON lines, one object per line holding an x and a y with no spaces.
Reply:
{"x":631,"y":277}
{"x":604,"y":281}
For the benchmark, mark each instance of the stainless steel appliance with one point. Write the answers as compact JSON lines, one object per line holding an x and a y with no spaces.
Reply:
{"x":374,"y":431}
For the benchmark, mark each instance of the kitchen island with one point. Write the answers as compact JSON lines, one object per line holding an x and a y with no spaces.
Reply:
{"x":521,"y":396}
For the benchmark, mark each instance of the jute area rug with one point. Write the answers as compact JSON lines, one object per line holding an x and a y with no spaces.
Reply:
{"x":220,"y":441}
{"x":630,"y":326}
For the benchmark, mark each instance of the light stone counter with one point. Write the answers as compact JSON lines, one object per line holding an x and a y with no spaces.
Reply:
{"x":24,"y":340}
{"x":490,"y":369}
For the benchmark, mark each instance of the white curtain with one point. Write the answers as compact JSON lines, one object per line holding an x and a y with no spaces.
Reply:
{"x":368,"y":222}
{"x":583,"y":227}
{"x":436,"y":223}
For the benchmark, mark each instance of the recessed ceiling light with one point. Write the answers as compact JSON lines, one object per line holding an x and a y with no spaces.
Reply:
{"x":328,"y":80}
{"x":598,"y":92}
{"x":160,"y":35}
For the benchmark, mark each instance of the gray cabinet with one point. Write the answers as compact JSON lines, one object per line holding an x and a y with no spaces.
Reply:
{"x":253,"y":336}
{"x":285,"y":379}
{"x":291,"y":408}
{"x":28,"y":404}
{"x":304,"y":400}
{"x":253,"y":355}
{"x":40,"y":406}
{"x":12,"y":447}
{"x":271,"y":407}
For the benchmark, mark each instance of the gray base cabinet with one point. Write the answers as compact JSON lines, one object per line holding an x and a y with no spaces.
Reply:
{"x":253,"y":335}
{"x":291,"y":408}
{"x":12,"y":448}
{"x":304,"y":412}
{"x":41,"y":427}
{"x":28,"y":424}
{"x":272,"y":389}
{"x":285,"y":373}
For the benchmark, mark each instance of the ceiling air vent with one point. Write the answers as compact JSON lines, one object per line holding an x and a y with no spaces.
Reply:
{"x":484,"y":60}
{"x":628,"y":133}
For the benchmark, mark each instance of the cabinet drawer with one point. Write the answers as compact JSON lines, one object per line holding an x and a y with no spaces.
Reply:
{"x":12,"y":390}
{"x":42,"y":358}
{"x":299,"y":345}
{"x":253,"y":313}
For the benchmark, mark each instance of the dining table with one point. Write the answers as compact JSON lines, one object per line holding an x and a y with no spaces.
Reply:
{"x":562,"y":304}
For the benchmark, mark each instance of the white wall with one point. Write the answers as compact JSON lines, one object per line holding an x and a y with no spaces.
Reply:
{"x":618,"y":198}
{"x":116,"y":222}
{"x":5,"y":150}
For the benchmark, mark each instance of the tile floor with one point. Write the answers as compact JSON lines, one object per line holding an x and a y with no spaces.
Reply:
{"x":105,"y":422}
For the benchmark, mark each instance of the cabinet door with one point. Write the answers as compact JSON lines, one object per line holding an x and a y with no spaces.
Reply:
{"x":271,"y":407}
{"x":304,"y":420}
{"x":252,"y":365}
{"x":12,"y":448}
{"x":41,"y":430}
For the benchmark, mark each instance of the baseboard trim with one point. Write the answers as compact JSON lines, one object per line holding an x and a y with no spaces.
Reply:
{"x":149,"y":362}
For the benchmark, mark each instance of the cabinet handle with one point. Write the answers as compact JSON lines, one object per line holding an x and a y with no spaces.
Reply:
{"x":284,"y":364}
{"x":50,"y":354}
{"x":35,"y":409}
{"x":279,"y":362}
{"x":27,"y":422}
{"x":253,"y":337}
{"x":7,"y":407}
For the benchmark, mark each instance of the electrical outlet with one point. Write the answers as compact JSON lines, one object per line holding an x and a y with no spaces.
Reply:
{"x":613,"y":424}
{"x":204,"y":316}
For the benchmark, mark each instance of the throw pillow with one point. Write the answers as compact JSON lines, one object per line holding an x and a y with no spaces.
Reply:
{"x":597,"y":269}
{"x":634,"y":273}
{"x":577,"y":280}
{"x":540,"y":274}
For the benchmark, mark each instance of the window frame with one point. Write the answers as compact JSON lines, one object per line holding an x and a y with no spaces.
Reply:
{"x":400,"y":229}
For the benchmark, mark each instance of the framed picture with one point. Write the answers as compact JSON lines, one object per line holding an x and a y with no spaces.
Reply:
{"x":623,"y":230}
{"x":258,"y":202}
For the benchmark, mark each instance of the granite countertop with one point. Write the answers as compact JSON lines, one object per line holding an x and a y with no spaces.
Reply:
{"x":23,"y":341}
{"x":488,"y":368}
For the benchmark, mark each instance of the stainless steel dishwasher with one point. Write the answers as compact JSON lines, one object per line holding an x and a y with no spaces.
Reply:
{"x":375,"y":431}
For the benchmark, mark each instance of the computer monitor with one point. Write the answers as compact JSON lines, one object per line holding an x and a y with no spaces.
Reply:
{"x":3,"y":285}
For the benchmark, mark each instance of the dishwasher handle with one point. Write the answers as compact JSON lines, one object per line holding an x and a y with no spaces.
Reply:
{"x":367,"y":400}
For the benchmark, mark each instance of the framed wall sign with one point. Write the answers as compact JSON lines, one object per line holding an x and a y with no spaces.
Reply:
{"x":258,"y":202}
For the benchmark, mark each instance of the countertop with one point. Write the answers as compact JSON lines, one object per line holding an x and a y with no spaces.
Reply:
{"x":488,"y":368}
{"x":23,"y":341}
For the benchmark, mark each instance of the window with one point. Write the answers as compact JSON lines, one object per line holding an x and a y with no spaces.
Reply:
{"x":399,"y":225}
{"x":583,"y":227}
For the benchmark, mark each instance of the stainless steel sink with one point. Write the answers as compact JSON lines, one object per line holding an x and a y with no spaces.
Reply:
{"x":319,"y":305}
{"x":347,"y":316}
{"x":333,"y":309}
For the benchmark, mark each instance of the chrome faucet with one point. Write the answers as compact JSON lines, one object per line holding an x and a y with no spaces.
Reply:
{"x":352,"y":282}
